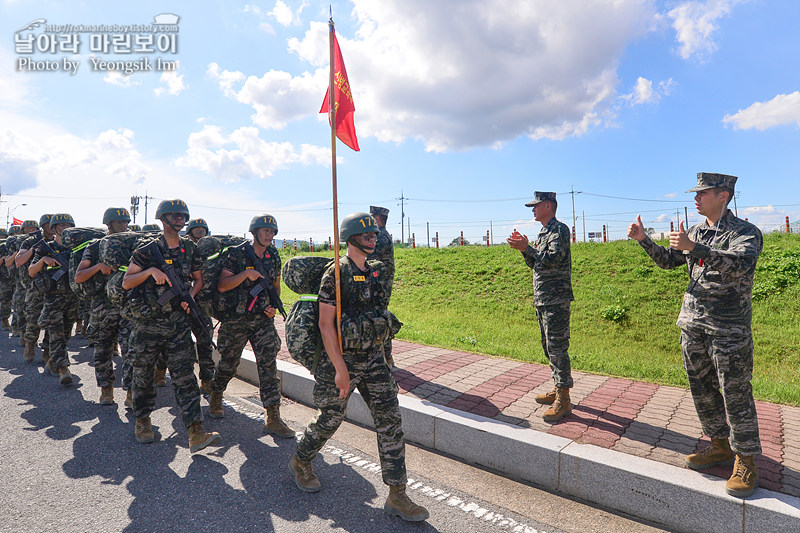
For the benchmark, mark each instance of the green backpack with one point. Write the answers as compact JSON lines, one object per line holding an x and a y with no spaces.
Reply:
{"x":212,"y":250}
{"x":78,"y":239}
{"x":116,"y":251}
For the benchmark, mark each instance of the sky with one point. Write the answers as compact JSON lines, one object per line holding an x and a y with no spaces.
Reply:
{"x":464,"y":108}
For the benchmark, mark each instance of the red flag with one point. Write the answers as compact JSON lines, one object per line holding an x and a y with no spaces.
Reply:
{"x":17,"y":222}
{"x":343,"y":98}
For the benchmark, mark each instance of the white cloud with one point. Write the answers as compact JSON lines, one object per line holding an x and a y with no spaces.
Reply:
{"x":671,"y":195}
{"x":496,"y":71}
{"x":115,"y":77}
{"x":266,"y":28}
{"x":644,"y":92}
{"x":781,"y":110}
{"x":282,"y":13}
{"x":695,"y":23}
{"x":174,"y":83}
{"x":663,"y":218}
{"x":243,"y":154}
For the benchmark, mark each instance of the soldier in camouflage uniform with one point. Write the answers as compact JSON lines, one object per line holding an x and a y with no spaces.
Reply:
{"x":551,"y":261}
{"x":361,"y":365}
{"x":34,"y":300}
{"x":716,"y":340}
{"x":165,"y":330}
{"x":60,"y":310}
{"x":196,"y":230}
{"x":22,"y":284}
{"x":104,"y":321}
{"x":384,"y":252}
{"x":6,"y":288}
{"x":160,"y":370}
{"x":9,"y":286}
{"x":251,"y":321}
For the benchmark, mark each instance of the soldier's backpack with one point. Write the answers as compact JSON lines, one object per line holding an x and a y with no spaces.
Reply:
{"x":364,"y":332}
{"x":78,"y":239}
{"x":212,"y":250}
{"x":116,"y":251}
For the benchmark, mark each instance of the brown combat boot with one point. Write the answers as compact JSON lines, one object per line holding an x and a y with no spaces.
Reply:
{"x":399,"y":504}
{"x":744,"y":480}
{"x":547,"y":398}
{"x":129,"y":399}
{"x":22,"y":339}
{"x":561,"y":407}
{"x":304,"y":476}
{"x":144,"y":431}
{"x":215,"y":409}
{"x":6,"y":325}
{"x":205,"y":386}
{"x":719,"y":453}
{"x":107,"y":395}
{"x":30,"y":352}
{"x":199,"y":439}
{"x":64,"y":376}
{"x":160,"y":377}
{"x":49,"y":367}
{"x":275,"y":425}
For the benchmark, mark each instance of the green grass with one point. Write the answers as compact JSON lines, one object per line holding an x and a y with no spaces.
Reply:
{"x":478,"y":299}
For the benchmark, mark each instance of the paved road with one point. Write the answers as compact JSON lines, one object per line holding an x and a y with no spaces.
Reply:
{"x":70,"y":464}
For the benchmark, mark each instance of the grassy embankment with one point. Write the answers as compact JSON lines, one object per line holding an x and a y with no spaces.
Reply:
{"x":623,"y":319}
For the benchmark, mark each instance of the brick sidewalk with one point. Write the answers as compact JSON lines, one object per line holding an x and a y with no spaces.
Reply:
{"x":651,"y":421}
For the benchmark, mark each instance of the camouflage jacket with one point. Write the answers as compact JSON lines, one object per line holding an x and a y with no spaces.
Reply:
{"x":362,"y":290}
{"x":92,"y":254}
{"x":4,"y":276}
{"x":182,"y":257}
{"x":551,"y":261}
{"x":721,"y":270}
{"x":384,"y":251}
{"x":45,"y":275}
{"x":236,"y":261}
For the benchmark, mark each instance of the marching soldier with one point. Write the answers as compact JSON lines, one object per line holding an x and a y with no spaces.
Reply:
{"x":6,"y":287}
{"x":715,"y":320}
{"x":196,"y":230}
{"x":384,"y":252}
{"x":165,"y":330}
{"x":361,"y":366}
{"x":21,"y":288}
{"x":551,"y":261}
{"x":34,"y":300}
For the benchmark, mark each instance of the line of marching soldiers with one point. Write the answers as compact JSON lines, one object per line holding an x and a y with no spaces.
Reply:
{"x":139,"y":287}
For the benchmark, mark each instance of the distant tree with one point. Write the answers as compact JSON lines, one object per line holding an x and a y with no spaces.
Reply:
{"x":457,"y":242}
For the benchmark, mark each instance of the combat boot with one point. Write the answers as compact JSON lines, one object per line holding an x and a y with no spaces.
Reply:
{"x":547,"y":398}
{"x":744,"y":480}
{"x":64,"y":376}
{"x":49,"y":367}
{"x":160,"y":377}
{"x":205,"y":386}
{"x":30,"y":351}
{"x":199,"y":439}
{"x":22,"y":339}
{"x":107,"y":395}
{"x":561,"y":406}
{"x":129,"y":399}
{"x":304,"y":476}
{"x":144,"y":431}
{"x":399,"y":504}
{"x":275,"y":425}
{"x":6,"y":325}
{"x":15,"y":330}
{"x":719,"y":453}
{"x":215,"y":405}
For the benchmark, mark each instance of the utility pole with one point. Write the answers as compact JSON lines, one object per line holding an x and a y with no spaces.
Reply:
{"x":428,"y":224}
{"x":134,"y":206}
{"x":583,"y":216}
{"x":145,"y":205}
{"x":735,"y":209}
{"x":409,"y":228}
{"x":402,"y":216}
{"x":686,"y":216}
{"x":573,"y":207}
{"x":491,"y":233}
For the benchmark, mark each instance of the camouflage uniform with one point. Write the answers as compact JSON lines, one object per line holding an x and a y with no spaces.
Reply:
{"x":18,"y":298}
{"x":715,"y":319}
{"x":6,"y":285}
{"x":362,"y":294}
{"x":384,"y":252}
{"x":205,"y":349}
{"x":59,"y":313}
{"x":253,"y":325}
{"x":166,"y":334}
{"x":104,"y":325}
{"x":34,"y":302}
{"x":551,"y":261}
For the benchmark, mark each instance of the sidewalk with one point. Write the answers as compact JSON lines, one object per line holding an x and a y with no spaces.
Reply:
{"x":638,"y":432}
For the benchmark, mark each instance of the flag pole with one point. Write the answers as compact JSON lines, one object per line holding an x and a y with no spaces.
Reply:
{"x":332,"y":112}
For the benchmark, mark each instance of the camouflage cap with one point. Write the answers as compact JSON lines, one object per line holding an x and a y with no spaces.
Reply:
{"x":709,"y":180}
{"x":539,"y":197}
{"x":376,"y":210}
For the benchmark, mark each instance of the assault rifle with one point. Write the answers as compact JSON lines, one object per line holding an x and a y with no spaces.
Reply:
{"x":178,"y":288}
{"x":61,"y":257}
{"x":264,"y":284}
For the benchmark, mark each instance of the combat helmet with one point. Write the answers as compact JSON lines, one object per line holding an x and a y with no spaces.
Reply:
{"x":147,"y":228}
{"x":62,"y":218}
{"x":113,"y":214}
{"x":44,"y":219}
{"x":197,"y":223}
{"x":30,"y":224}
{"x":134,"y":227}
{"x":357,"y":224}
{"x":263,"y":221}
{"x":3,"y":233}
{"x":172,"y":206}
{"x":16,"y":229}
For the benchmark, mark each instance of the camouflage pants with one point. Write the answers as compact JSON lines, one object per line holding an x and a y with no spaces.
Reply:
{"x":34,"y":303}
{"x":260,"y":331}
{"x":169,"y":338}
{"x":124,"y":350}
{"x":554,"y":328}
{"x":719,"y":369}
{"x":59,"y":314}
{"x":18,"y":305}
{"x":6,"y":294}
{"x":377,"y":386}
{"x":104,"y":331}
{"x":204,"y":350}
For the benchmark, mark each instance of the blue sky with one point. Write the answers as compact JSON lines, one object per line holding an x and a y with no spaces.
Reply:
{"x":464,"y":107}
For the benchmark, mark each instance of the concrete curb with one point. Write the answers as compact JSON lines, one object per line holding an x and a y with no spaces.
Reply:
{"x":675,"y":497}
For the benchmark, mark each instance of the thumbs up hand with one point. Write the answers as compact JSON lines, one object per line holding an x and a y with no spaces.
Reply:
{"x":680,"y":239}
{"x":636,"y":230}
